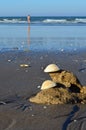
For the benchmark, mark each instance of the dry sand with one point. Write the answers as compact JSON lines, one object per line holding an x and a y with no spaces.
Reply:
{"x":18,"y":84}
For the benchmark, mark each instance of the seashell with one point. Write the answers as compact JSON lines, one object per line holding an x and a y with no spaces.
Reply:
{"x":51,"y":68}
{"x":48,"y":84}
{"x":24,"y":65}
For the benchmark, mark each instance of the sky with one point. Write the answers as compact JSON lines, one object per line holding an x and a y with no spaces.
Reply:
{"x":43,"y":7}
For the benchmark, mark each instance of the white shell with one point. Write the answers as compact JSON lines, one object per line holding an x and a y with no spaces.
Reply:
{"x":24,"y":65}
{"x":51,"y":68}
{"x":48,"y":84}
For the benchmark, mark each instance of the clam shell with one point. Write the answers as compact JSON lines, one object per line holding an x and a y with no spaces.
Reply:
{"x":51,"y":68}
{"x":48,"y":84}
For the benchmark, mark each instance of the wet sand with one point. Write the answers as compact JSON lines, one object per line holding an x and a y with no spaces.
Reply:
{"x":18,"y":83}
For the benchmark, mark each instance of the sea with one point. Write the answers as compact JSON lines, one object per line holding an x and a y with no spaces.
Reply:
{"x":49,"y":33}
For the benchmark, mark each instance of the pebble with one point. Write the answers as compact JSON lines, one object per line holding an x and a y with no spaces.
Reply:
{"x":33,"y":115}
{"x":44,"y":107}
{"x":26,"y":70}
{"x":38,"y":86}
{"x":9,"y":60}
{"x":42,"y":68}
{"x":75,"y":120}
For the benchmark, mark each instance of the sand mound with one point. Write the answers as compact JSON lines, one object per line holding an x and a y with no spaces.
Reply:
{"x":59,"y":96}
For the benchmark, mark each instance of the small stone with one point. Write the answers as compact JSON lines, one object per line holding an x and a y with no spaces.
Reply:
{"x":42,"y":68}
{"x":44,"y":107}
{"x":9,"y":60}
{"x":33,"y":115}
{"x":30,"y":108}
{"x":75,"y":120}
{"x":26,"y":70}
{"x":38,"y":86}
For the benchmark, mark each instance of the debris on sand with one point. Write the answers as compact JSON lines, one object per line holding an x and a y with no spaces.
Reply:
{"x":64,"y":88}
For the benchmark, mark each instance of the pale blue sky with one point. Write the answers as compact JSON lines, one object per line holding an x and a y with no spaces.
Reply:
{"x":43,"y":7}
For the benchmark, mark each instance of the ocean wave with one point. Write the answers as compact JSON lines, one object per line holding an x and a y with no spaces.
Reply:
{"x":44,"y":20}
{"x":5,"y":20}
{"x":80,"y":20}
{"x":64,"y":21}
{"x":54,"y":21}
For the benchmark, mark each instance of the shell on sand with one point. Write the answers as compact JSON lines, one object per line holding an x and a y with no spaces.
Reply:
{"x":47,"y":84}
{"x":24,"y":65}
{"x":51,"y":68}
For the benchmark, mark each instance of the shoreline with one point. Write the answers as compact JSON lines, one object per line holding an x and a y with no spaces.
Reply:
{"x":17,"y":84}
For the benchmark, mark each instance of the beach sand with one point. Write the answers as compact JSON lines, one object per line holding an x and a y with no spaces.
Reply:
{"x":18,"y":84}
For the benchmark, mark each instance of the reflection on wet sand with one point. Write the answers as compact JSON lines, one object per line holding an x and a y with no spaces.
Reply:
{"x":28,"y":40}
